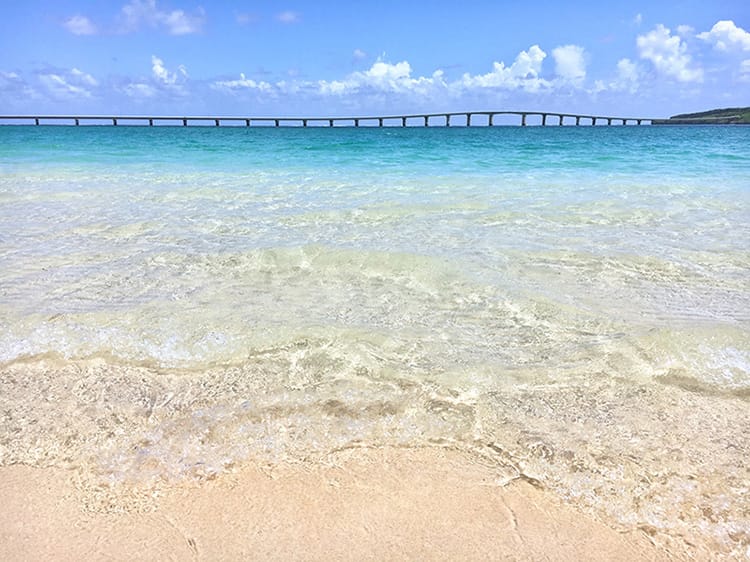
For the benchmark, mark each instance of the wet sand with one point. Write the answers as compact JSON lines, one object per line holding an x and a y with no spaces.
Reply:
{"x":361,"y":504}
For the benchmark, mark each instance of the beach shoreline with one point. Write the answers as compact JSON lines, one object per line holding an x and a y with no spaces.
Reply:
{"x":388,"y":503}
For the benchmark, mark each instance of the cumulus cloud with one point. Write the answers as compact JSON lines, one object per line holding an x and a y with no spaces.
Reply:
{"x":241,"y":84}
{"x":359,"y":54}
{"x":80,"y":25}
{"x":668,"y":54}
{"x":382,"y":77}
{"x":523,"y":73}
{"x":69,"y":84}
{"x":570,"y":63}
{"x":164,"y":76}
{"x":289,"y":17}
{"x":161,"y":82}
{"x":145,"y":12}
{"x":726,"y":36}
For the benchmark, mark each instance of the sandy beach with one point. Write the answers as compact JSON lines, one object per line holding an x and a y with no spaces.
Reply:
{"x":363,"y":504}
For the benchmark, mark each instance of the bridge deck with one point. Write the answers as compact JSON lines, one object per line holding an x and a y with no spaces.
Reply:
{"x":422,"y":119}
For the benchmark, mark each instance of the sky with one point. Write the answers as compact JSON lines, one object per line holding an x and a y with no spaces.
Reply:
{"x":639,"y":58}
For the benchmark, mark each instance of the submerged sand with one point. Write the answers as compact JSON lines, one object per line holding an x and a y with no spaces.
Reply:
{"x":361,"y":504}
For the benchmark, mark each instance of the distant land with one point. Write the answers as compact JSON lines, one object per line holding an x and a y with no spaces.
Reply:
{"x":727,"y":116}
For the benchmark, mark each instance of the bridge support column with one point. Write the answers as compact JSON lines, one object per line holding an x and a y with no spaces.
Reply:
{"x":77,"y":122}
{"x":150,"y":122}
{"x":544,"y":119}
{"x":447,"y":120}
{"x":578,"y":120}
{"x":561,"y":120}
{"x":403,"y":121}
{"x":216,"y":122}
{"x":492,"y":118}
{"x":426,"y":121}
{"x":638,"y":121}
{"x":304,"y":122}
{"x":36,"y":121}
{"x":247,"y":122}
{"x":276,"y":122}
{"x":380,"y":121}
{"x":609,"y":121}
{"x":356,"y":122}
{"x":523,"y":119}
{"x":468,"y":119}
{"x":593,"y":120}
{"x":330,"y":122}
{"x":114,"y":122}
{"x":184,"y":122}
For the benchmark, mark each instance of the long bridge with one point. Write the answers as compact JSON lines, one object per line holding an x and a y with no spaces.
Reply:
{"x":461,"y":118}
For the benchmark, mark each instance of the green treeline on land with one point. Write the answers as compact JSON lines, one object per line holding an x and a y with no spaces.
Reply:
{"x":727,"y":116}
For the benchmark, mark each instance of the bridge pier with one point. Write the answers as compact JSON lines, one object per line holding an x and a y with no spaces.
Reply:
{"x":403,"y":121}
{"x":114,"y":122}
{"x":150,"y":122}
{"x":36,"y":121}
{"x":638,"y":121}
{"x":492,"y":118}
{"x":380,"y":121}
{"x":468,"y":119}
{"x":356,"y":122}
{"x":447,"y":120}
{"x":77,"y":122}
{"x":330,"y":122}
{"x":523,"y":119}
{"x":304,"y":122}
{"x":247,"y":122}
{"x":609,"y":120}
{"x":593,"y":121}
{"x":578,"y":120}
{"x":544,"y":119}
{"x":426,"y":121}
{"x":561,"y":120}
{"x":216,"y":122}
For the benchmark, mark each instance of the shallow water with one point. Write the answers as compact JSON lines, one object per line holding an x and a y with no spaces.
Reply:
{"x":575,"y":301}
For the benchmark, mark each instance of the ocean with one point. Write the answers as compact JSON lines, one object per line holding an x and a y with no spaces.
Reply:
{"x":569,"y":303}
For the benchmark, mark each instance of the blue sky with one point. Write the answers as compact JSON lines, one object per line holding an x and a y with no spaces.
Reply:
{"x":633,"y":58}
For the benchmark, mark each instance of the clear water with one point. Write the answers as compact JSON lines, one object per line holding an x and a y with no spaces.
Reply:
{"x":573,"y":302}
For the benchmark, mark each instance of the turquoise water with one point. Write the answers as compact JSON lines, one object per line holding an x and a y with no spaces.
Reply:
{"x":571,"y":303}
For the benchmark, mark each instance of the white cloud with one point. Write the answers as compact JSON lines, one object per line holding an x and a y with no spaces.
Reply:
{"x":726,"y":36}
{"x":241,"y":84}
{"x":139,"y":90}
{"x":177,"y":22}
{"x":383,"y":77}
{"x":668,"y":54}
{"x":570,"y":63}
{"x":627,"y":79}
{"x":83,"y":77}
{"x":164,"y":76}
{"x":523,"y":73}
{"x":68,"y":84}
{"x":359,"y":54}
{"x":80,"y":25}
{"x":289,"y":17}
{"x":685,"y":29}
{"x":638,"y":19}
{"x":16,"y":86}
